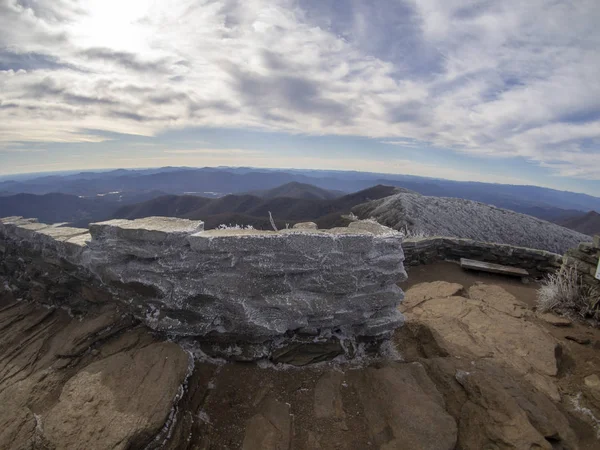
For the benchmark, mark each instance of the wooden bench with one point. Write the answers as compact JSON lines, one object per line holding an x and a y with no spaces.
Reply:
{"x":493,"y":268}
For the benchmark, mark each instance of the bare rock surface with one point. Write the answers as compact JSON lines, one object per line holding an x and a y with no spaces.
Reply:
{"x":98,"y":383}
{"x":489,"y":323}
{"x":555,"y":320}
{"x":427,"y":291}
{"x":127,"y":392}
{"x":270,"y":428}
{"x":393,"y":406}
{"x":103,"y":380}
{"x":404,"y":409}
{"x":499,"y":299}
{"x":495,"y":409}
{"x":328,"y":396}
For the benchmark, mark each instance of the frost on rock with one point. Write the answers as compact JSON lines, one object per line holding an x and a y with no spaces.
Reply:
{"x":236,"y":283}
{"x":420,"y":216}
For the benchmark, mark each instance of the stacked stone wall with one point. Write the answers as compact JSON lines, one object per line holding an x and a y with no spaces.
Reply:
{"x":584,"y":259}
{"x":433,"y":249}
{"x":224,"y":285}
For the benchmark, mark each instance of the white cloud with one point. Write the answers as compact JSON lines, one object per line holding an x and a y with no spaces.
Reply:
{"x":402,"y":143}
{"x":216,"y":151}
{"x":507,"y":78}
{"x":22,"y":150}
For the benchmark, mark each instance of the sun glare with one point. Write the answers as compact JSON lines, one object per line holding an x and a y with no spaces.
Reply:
{"x":114,"y":24}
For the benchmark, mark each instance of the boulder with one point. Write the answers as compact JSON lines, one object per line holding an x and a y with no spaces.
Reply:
{"x":118,"y":401}
{"x":592,"y":383}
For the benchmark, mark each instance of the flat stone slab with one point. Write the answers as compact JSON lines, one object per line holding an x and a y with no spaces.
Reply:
{"x":369,"y":226}
{"x":149,"y":229}
{"x":555,"y":320}
{"x":306,"y":226}
{"x":16,"y":220}
{"x":493,"y":268}
{"x":63,"y":233}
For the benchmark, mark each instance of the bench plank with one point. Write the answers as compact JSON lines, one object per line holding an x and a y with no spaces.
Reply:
{"x":493,"y":268}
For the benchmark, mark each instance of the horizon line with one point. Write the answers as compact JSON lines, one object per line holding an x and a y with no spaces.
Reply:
{"x":131,"y":169}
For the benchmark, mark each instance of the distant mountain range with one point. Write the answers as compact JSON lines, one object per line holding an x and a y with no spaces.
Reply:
{"x":246,"y":195}
{"x":253,"y":210}
{"x":57,"y":207}
{"x":310,"y":203}
{"x":540,"y":202}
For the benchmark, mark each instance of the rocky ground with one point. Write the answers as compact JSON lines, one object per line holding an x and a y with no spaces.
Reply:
{"x":479,"y":369}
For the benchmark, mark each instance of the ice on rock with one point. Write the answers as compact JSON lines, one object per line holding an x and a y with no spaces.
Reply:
{"x":236,"y":284}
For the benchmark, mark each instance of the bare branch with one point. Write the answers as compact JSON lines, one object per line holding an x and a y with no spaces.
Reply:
{"x":272,"y":221}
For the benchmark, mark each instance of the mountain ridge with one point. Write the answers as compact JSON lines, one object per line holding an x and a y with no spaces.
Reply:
{"x":253,"y":209}
{"x":588,"y":223}
{"x":295,"y":189}
{"x":542,"y":202}
{"x":447,"y":216}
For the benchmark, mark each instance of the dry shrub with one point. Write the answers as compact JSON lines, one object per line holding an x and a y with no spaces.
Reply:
{"x":414,"y":234}
{"x":564,"y":291}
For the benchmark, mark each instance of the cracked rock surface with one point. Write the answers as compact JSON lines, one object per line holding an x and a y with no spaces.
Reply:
{"x":103,"y":382}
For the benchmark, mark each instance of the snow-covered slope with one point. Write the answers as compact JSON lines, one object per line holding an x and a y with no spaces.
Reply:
{"x":442,"y":216}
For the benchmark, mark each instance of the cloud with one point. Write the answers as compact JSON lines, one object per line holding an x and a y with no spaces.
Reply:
{"x":491,"y":79}
{"x":216,"y":151}
{"x":10,"y":60}
{"x":267,"y":95}
{"x":126,"y":60}
{"x":22,"y":150}
{"x":402,"y":142}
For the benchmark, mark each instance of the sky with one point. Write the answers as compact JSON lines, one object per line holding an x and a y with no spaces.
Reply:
{"x":499,"y":91}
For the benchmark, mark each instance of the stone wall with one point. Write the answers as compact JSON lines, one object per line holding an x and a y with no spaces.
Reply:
{"x":226,"y":285}
{"x":584,"y":259}
{"x":432,"y":249}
